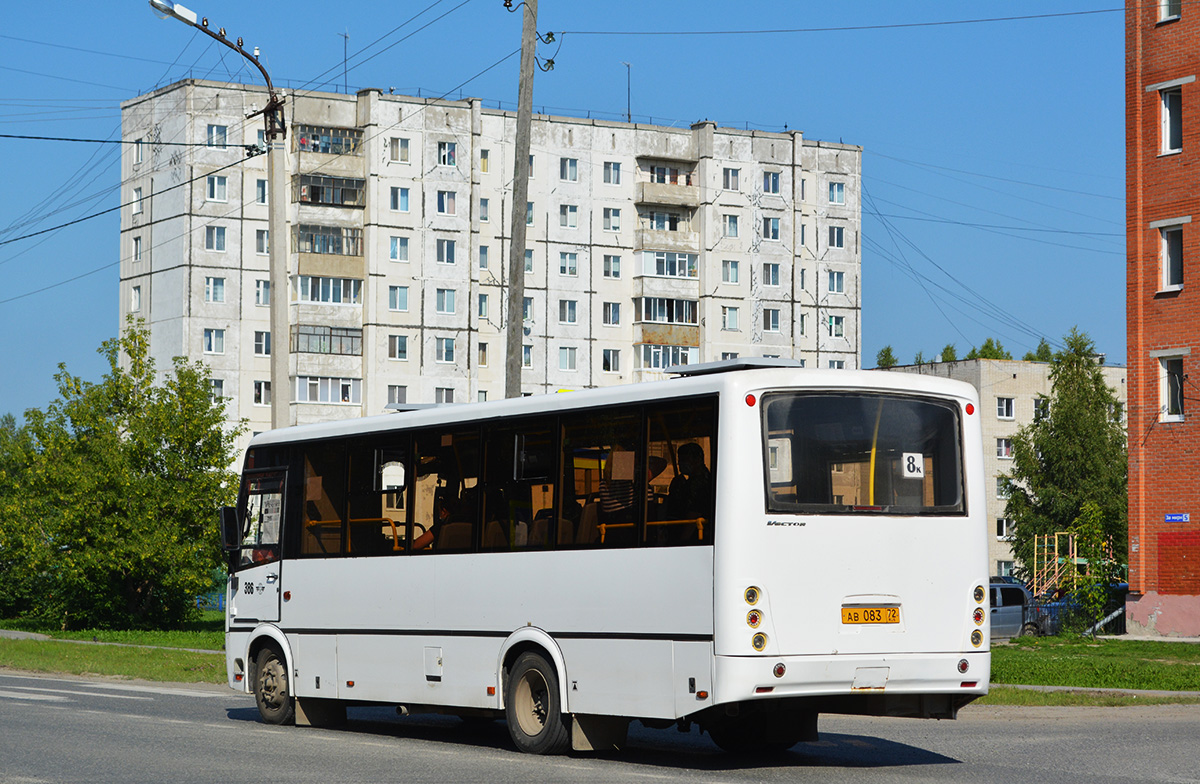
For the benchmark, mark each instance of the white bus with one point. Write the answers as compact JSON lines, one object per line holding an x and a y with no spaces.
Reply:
{"x":742,"y":547}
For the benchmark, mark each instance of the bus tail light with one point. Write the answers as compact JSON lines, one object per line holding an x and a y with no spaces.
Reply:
{"x":970,"y":409}
{"x":963,"y":666}
{"x":779,"y":670}
{"x":754,"y":618}
{"x":764,"y":689}
{"x":978,"y":616}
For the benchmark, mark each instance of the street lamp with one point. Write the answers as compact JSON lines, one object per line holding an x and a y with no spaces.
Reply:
{"x":276,"y":131}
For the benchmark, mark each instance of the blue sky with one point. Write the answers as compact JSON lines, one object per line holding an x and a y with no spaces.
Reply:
{"x":993,"y":164}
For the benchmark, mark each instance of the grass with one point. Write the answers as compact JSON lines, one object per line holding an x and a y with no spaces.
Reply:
{"x":207,"y":634}
{"x":1102,"y":664}
{"x":152,"y":664}
{"x":1026,"y":698}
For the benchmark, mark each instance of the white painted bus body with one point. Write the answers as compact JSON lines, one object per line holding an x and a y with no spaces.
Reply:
{"x":656,"y":633}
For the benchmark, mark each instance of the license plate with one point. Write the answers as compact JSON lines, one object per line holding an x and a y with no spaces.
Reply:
{"x":870,"y":615}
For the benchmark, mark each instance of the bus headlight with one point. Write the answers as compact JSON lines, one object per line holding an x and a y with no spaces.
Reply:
{"x":759,"y":641}
{"x":979,"y":594}
{"x":751,"y":595}
{"x":977,"y":638}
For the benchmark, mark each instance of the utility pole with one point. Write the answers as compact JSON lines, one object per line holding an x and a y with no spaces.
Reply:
{"x":514,"y":336}
{"x":628,"y":77}
{"x":345,"y":47}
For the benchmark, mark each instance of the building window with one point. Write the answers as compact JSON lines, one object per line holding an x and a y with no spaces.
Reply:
{"x":262,"y":241}
{"x":262,"y":343}
{"x":445,"y":251}
{"x":612,"y":219}
{"x":447,"y":153}
{"x":611,"y":314}
{"x":214,"y":238}
{"x":770,"y":273}
{"x":330,"y":291}
{"x":1172,"y":119}
{"x":398,"y":298}
{"x":135,"y":299}
{"x":483,"y":257}
{"x":837,"y":282}
{"x":137,"y":247}
{"x":610,"y":360}
{"x":612,"y":173}
{"x":657,"y":357}
{"x":397,"y":394}
{"x":837,"y":326}
{"x":568,"y":216}
{"x":398,"y":250}
{"x":262,"y":292}
{"x":1004,"y":448}
{"x":483,"y":211}
{"x":837,"y":193}
{"x":567,"y":311}
{"x":260,"y":191}
{"x":837,"y":364}
{"x":526,"y":356}
{"x":214,"y":341}
{"x":729,"y":179}
{"x":527,"y":309}
{"x":729,"y":355}
{"x":668,"y":264}
{"x":1171,"y":380}
{"x":445,"y":349}
{"x":729,"y":271}
{"x":729,"y":225}
{"x":445,"y":203}
{"x":770,"y":319}
{"x":443,"y":395}
{"x":327,"y":140}
{"x":483,"y":355}
{"x":770,"y":182}
{"x":262,"y":393}
{"x":398,"y":149}
{"x":216,"y":135}
{"x":568,"y":264}
{"x":217,"y":387}
{"x":837,"y":237}
{"x":137,"y":200}
{"x":528,"y":260}
{"x":1005,"y":528}
{"x":399,"y":202}
{"x":398,"y":347}
{"x":1041,"y":408}
{"x":138,"y":147}
{"x":612,"y":266}
{"x":664,"y":310}
{"x":568,"y":169}
{"x":1002,"y":488}
{"x":332,"y":191}
{"x":322,"y":389}
{"x":531,"y":167}
{"x":1004,"y":407}
{"x":566,"y":358}
{"x":729,"y":317}
{"x":318,"y":339}
{"x":1172,"y":257}
{"x":802,"y":324}
{"x":770,"y":228}
{"x":483,"y":306}
{"x":483,"y":161}
{"x":218,"y":188}
{"x":528,"y":213}
{"x":214,"y":289}
{"x":444,"y":301}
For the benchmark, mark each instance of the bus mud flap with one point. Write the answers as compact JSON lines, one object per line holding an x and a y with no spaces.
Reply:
{"x":315,"y":712}
{"x":598,"y":733}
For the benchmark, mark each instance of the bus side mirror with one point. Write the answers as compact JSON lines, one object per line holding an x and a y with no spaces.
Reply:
{"x":231,"y":532}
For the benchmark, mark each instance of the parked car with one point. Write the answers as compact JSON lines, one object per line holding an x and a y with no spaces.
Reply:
{"x":1010,"y":610}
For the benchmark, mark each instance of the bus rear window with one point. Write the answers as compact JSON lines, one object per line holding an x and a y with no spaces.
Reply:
{"x":862,"y":453}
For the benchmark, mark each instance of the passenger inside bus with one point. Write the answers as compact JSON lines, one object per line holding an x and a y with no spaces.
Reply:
{"x":690,"y":495}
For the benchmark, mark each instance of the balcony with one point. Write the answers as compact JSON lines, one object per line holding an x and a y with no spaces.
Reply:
{"x":665,"y":193}
{"x":655,"y":239}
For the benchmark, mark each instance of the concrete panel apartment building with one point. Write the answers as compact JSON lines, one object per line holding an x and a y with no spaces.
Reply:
{"x":647,"y":246}
{"x":1162,"y":127}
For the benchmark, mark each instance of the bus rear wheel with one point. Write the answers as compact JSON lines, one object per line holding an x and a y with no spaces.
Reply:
{"x":533,"y":708}
{"x":763,"y":732}
{"x":272,"y":690}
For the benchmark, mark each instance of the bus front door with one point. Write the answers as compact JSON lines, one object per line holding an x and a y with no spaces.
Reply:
{"x":254,"y":587}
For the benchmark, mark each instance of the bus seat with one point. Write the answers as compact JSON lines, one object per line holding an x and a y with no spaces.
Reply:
{"x":538,"y":533}
{"x":493,"y":536}
{"x":454,"y":536}
{"x":588,"y":532}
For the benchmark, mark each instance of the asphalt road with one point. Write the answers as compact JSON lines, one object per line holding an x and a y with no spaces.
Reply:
{"x":96,"y":730}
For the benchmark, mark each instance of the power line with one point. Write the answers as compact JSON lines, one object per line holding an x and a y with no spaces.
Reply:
{"x":247,"y":147}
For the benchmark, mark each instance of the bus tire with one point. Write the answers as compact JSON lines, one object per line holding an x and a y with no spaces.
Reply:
{"x":762,"y":732}
{"x":533,"y":708}
{"x":272,"y":689}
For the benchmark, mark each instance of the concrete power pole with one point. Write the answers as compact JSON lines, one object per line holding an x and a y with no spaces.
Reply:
{"x":514,"y":336}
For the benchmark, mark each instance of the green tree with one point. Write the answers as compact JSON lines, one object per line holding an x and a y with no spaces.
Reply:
{"x":1098,"y":571}
{"x":113,"y":523}
{"x":1043,"y":353}
{"x":991,"y":349}
{"x":919,"y":359}
{"x":886,"y":358}
{"x":949,"y":353}
{"x":1073,"y":455}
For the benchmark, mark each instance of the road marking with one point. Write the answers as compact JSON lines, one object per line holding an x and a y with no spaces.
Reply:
{"x":84,"y":693}
{"x":14,"y":695}
{"x":173,"y":692}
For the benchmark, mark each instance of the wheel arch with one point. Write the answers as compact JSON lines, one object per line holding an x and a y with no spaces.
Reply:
{"x":261,"y":637}
{"x":531,"y":638}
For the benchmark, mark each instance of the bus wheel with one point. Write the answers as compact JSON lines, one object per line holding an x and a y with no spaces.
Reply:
{"x":531,"y":705}
{"x":762,"y":733}
{"x":271,"y":688}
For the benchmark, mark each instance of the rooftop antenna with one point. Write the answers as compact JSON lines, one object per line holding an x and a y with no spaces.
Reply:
{"x":345,"y":46}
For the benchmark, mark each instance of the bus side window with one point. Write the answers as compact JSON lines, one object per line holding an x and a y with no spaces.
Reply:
{"x":518,"y":503}
{"x":680,"y":462}
{"x":606,"y":468}
{"x":377,"y":513}
{"x":324,"y":500}
{"x":446,"y":490}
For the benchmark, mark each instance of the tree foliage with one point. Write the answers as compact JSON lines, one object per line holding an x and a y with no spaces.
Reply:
{"x":991,"y":349}
{"x":1072,"y":456}
{"x":949,"y":353}
{"x":1043,"y":353}
{"x":886,"y":358}
{"x":109,"y":496}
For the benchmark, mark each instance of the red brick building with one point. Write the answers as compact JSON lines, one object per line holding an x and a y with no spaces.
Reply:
{"x":1162,"y":127}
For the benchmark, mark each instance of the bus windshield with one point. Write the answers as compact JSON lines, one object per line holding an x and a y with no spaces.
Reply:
{"x":831,"y":453}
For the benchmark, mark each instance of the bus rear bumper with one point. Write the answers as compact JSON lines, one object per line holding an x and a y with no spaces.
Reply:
{"x":927,"y":685}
